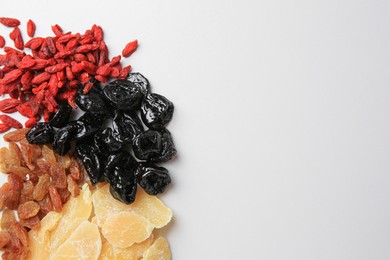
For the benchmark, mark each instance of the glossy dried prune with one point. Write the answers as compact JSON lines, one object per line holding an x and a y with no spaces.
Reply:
{"x":147,"y":145}
{"x":88,"y":124}
{"x":140,"y":81}
{"x":123,"y":94}
{"x":90,"y":160}
{"x":91,"y":102}
{"x":61,"y":117}
{"x":105,"y":142}
{"x":63,"y":137}
{"x":168,"y":148}
{"x":156,"y":111}
{"x":126,"y":126}
{"x":152,"y":179}
{"x":40,"y":133}
{"x":120,"y":172}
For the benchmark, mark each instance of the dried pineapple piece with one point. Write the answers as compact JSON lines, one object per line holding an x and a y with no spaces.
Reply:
{"x":75,"y":211}
{"x":145,"y":205}
{"x":158,"y":251}
{"x":84,"y":243}
{"x":39,"y":239}
{"x":126,"y":228}
{"x":134,"y":252}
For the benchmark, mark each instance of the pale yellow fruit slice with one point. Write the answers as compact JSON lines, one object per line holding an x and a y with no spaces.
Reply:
{"x":158,"y":251}
{"x":126,"y":228}
{"x":145,"y":205}
{"x":39,"y":239}
{"x":134,"y":252}
{"x":83,"y":244}
{"x":75,"y":211}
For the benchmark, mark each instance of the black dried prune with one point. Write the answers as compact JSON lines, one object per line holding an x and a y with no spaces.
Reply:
{"x":105,"y":142}
{"x":126,"y":126}
{"x":168,"y":148}
{"x":61,"y":117}
{"x":147,"y":145}
{"x":153,"y":179}
{"x":140,"y":81}
{"x":123,"y":94}
{"x":40,"y":133}
{"x":88,"y":124}
{"x":63,"y":137}
{"x":91,"y":162}
{"x":91,"y":102}
{"x":120,"y":172}
{"x":156,"y":111}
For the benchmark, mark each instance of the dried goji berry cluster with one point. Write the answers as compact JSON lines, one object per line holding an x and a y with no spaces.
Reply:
{"x":39,"y":181}
{"x":57,"y":66}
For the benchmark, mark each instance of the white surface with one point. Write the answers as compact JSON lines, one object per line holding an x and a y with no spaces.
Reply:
{"x":281,"y":122}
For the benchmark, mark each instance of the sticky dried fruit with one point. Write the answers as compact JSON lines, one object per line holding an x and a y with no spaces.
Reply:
{"x":123,"y":94}
{"x":126,"y":228}
{"x":156,"y":111}
{"x":40,"y":133}
{"x":28,"y":209}
{"x":159,"y":250}
{"x":152,"y":178}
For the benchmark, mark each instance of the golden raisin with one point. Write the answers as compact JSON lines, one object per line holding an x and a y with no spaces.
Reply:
{"x":42,"y":187}
{"x":28,"y":209}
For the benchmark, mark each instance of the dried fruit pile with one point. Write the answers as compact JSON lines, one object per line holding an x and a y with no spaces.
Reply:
{"x":57,"y":66}
{"x":104,"y":151}
{"x":39,"y":181}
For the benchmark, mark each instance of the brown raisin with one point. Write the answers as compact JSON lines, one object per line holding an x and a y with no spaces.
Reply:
{"x":28,"y":209}
{"x":20,"y":232}
{"x":64,"y":194}
{"x":42,"y":187}
{"x":27,"y":192}
{"x":72,"y":186}
{"x":31,"y":223}
{"x":48,"y":154}
{"x":64,"y":160}
{"x":74,"y":170}
{"x":4,"y":190}
{"x":5,"y":237}
{"x":58,"y":176}
{"x":7,"y":219}
{"x":16,"y":135}
{"x":16,"y":153}
{"x":55,"y":199}
{"x":12,"y":199}
{"x":45,"y":204}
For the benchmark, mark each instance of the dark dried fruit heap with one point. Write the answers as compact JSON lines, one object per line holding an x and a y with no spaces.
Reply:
{"x":139,"y":118}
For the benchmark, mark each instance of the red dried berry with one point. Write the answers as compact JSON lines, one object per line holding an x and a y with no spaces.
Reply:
{"x":10,"y":22}
{"x":57,"y":30}
{"x":2,"y":41}
{"x":30,"y":28}
{"x":130,"y":48}
{"x":7,"y":120}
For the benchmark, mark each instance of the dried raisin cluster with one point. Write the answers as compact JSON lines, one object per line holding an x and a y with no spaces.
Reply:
{"x":138,"y":127}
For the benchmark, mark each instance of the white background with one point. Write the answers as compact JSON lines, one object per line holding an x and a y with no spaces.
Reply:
{"x":281,"y":123}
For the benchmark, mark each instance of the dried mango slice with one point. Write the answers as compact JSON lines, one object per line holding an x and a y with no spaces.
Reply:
{"x":84,"y":243}
{"x":158,"y":251}
{"x":75,"y":211}
{"x":126,"y":228}
{"x":145,"y":205}
{"x":39,"y":239}
{"x":134,"y":252}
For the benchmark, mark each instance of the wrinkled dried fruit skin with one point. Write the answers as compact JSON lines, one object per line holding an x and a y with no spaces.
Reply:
{"x":156,"y":111}
{"x":123,"y":94}
{"x":168,"y":148}
{"x":61,"y":117}
{"x":140,"y":81}
{"x":40,"y":133}
{"x":42,"y":187}
{"x":16,"y":136}
{"x":120,"y":172}
{"x":90,"y":161}
{"x":7,"y":218}
{"x":126,"y":126}
{"x":88,"y":124}
{"x":152,"y":178}
{"x":55,"y":198}
{"x":58,"y":176}
{"x":147,"y":145}
{"x":28,"y":209}
{"x":45,"y":204}
{"x":91,"y":102}
{"x":63,"y":137}
{"x":106,"y":143}
{"x":31,"y":223}
{"x":27,"y":192}
{"x":5,"y":237}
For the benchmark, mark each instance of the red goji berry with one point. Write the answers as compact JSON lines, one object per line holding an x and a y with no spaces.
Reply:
{"x":30,"y":28}
{"x":27,"y":63}
{"x":51,"y":45}
{"x":7,"y":120}
{"x":8,"y":103}
{"x":40,"y":64}
{"x":87,"y":48}
{"x":10,"y":22}
{"x":4,"y":128}
{"x":30,"y":122}
{"x":124,"y":72}
{"x":57,"y":30}
{"x":2,"y":41}
{"x":87,"y":87}
{"x":130,"y":48}
{"x":89,"y":67}
{"x":29,"y":109}
{"x":104,"y":70}
{"x":56,"y":68}
{"x":71,"y":44}
{"x":12,"y":76}
{"x":41,"y":77}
